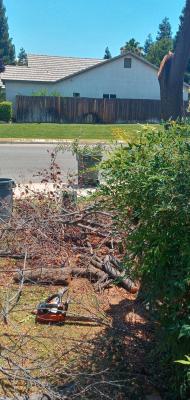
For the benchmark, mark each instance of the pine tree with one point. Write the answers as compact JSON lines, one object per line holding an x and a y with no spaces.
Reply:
{"x":158,"y":50}
{"x":2,"y":67}
{"x":163,"y":44}
{"x":181,"y":19}
{"x":7,"y":49}
{"x":187,"y":73}
{"x":22,"y":57}
{"x":172,"y":70}
{"x":107,"y":54}
{"x":132,"y":46}
{"x":165,"y":30}
{"x":148,"y":43}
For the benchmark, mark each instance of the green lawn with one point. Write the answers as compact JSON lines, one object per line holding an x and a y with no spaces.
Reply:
{"x":64,"y":131}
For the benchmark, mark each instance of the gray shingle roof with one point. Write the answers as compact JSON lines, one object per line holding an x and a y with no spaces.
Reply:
{"x":42,"y":68}
{"x":50,"y":69}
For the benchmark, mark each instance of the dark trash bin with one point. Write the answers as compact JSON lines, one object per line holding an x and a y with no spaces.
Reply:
{"x":6,"y":198}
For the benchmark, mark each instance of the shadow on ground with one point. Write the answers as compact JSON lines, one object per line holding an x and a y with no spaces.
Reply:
{"x":119,"y":367}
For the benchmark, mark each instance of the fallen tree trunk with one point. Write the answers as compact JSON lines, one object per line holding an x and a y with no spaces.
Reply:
{"x":92,"y":273}
{"x":126,"y":283}
{"x":111,"y":265}
{"x":45,"y":276}
{"x":61,"y":276}
{"x":102,"y":273}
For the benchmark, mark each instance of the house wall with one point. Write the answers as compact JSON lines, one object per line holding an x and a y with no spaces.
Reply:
{"x":138,"y":82}
{"x":14,"y":88}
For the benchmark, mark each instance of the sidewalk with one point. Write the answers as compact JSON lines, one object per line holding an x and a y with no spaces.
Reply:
{"x":34,"y":188}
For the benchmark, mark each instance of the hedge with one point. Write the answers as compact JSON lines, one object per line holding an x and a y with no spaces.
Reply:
{"x":147,"y":184}
{"x":5,"y":111}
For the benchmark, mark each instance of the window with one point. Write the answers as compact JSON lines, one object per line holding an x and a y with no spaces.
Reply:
{"x":109,"y":96}
{"x":76,"y":94}
{"x":127,"y":62}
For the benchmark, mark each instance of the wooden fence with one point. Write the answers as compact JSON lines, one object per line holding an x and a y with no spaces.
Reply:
{"x":85,"y":110}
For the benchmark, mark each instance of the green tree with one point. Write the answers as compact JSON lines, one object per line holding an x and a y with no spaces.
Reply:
{"x":22,"y":57}
{"x":146,"y":185}
{"x":2,"y":91}
{"x":158,"y":50}
{"x":148,"y":44}
{"x":107,"y":54}
{"x":172,"y":70}
{"x":133,"y":46}
{"x":7,"y":49}
{"x":2,"y":67}
{"x":187,"y":73}
{"x":155,"y":51}
{"x":165,"y":30}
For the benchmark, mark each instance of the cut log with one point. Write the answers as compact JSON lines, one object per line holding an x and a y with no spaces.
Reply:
{"x":91,"y":273}
{"x":126,"y":283}
{"x":45,"y":276}
{"x":61,"y":276}
{"x":116,"y":263}
{"x":96,"y":263}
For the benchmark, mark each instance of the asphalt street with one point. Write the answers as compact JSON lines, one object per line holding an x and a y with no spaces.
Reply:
{"x":22,"y":162}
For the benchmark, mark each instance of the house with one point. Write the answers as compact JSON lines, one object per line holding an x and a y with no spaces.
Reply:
{"x":127,"y":76}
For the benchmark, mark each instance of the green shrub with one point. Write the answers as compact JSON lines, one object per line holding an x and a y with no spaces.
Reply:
{"x":5,"y":111}
{"x":45,"y":92}
{"x":2,"y":94}
{"x":148,"y":185}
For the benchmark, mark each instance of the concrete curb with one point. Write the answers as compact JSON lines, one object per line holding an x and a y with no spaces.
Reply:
{"x":50,"y":141}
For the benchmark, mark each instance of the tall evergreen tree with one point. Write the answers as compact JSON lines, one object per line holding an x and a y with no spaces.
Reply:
{"x":165,"y":30}
{"x":2,"y":67}
{"x":172,"y":70}
{"x":22,"y":57}
{"x":7,"y":49}
{"x":133,"y":46}
{"x":181,"y":19}
{"x":163,"y":44}
{"x":148,"y":43}
{"x":158,"y":50}
{"x":107,"y":54}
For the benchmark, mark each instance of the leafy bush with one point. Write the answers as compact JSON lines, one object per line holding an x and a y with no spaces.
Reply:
{"x":148,"y":185}
{"x":94,"y":151}
{"x":45,"y":92}
{"x":2,"y":94}
{"x":5,"y":111}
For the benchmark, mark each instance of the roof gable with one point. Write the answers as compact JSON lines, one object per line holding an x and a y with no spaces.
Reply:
{"x":127,"y":54}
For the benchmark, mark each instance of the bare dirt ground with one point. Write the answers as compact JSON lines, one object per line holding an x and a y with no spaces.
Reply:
{"x":103,"y":361}
{"x":110,"y":359}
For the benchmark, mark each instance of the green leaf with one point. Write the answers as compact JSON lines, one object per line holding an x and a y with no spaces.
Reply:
{"x":184,"y":362}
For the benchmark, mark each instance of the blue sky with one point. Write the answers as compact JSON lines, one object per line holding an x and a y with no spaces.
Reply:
{"x":84,"y":28}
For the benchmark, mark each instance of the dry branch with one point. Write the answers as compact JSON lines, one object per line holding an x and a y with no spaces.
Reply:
{"x":14,"y":256}
{"x":10,"y":303}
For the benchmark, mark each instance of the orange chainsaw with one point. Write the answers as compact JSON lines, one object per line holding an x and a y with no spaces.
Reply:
{"x":54,"y":310}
